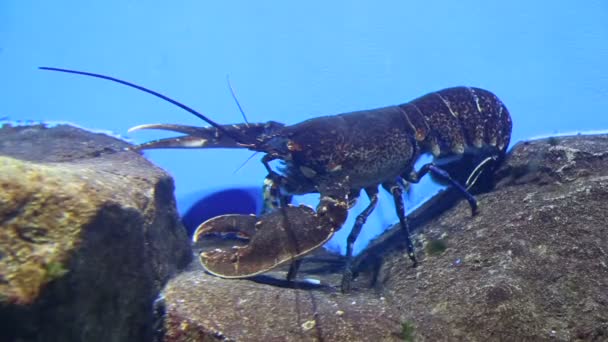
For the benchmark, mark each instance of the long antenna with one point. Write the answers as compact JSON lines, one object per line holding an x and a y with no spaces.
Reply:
{"x":238,"y":104}
{"x":236,"y":100}
{"x":245,"y":162}
{"x":159,"y":95}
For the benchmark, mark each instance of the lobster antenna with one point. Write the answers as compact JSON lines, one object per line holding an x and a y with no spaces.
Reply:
{"x":236,"y":100}
{"x":244,"y":118}
{"x":159,"y":95}
{"x":244,"y":163}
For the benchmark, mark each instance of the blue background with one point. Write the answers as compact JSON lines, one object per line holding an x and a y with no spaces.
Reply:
{"x":289,"y":61}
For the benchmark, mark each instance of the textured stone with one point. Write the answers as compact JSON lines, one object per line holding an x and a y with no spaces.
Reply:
{"x":89,"y":234}
{"x":200,"y":307}
{"x":532,"y":266}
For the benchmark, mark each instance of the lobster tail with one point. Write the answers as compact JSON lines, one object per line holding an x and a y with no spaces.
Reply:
{"x":453,"y":120}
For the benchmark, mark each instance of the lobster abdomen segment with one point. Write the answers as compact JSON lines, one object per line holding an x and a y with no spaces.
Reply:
{"x":458,"y":119}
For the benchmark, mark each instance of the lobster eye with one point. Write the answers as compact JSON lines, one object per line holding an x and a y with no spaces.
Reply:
{"x":278,"y":145}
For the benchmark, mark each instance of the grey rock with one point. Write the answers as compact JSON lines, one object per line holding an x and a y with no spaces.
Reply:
{"x":89,"y":234}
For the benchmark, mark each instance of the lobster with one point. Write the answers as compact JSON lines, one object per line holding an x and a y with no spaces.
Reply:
{"x":467,"y":131}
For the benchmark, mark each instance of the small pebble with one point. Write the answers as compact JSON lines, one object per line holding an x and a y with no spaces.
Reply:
{"x":309,"y":325}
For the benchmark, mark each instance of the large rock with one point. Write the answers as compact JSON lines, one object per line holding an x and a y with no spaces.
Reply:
{"x":89,"y":234}
{"x":531,"y":266}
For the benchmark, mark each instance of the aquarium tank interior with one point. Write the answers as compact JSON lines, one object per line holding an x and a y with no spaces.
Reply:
{"x":484,"y":123}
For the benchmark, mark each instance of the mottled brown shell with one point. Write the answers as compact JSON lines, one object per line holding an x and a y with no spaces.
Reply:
{"x":460,"y":118}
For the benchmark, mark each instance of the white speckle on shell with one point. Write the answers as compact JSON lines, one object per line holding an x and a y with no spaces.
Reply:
{"x":194,"y":143}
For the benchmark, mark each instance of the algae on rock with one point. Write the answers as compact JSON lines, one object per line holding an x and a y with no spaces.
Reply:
{"x":89,"y":234}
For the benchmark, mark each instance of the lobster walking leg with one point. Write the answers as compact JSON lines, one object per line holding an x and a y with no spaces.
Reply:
{"x":395,"y":189}
{"x":439,"y":172}
{"x":347,"y":276}
{"x":273,"y":198}
{"x":486,"y":166}
{"x":293,"y":269}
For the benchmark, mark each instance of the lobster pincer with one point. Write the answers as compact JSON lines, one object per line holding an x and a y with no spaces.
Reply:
{"x":275,"y":238}
{"x":208,"y":137}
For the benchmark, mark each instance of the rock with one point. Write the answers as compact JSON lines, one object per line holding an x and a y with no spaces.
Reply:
{"x":89,"y":234}
{"x":531,"y":266}
{"x":201,"y":307}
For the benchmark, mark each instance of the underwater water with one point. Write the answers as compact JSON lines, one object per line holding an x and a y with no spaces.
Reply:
{"x":288,"y":62}
{"x":201,"y":206}
{"x":91,"y":245}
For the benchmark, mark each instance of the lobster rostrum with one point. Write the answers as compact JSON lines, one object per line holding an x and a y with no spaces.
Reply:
{"x":466,"y":129}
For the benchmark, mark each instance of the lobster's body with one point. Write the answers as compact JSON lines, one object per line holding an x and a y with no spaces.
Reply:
{"x":466,"y":129}
{"x":374,"y":146}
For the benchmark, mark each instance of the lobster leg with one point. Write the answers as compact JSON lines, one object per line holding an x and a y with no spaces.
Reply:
{"x":397,"y":191}
{"x":294,"y":267}
{"x":347,"y":276}
{"x":273,"y":198}
{"x":274,"y":238}
{"x":486,"y":166}
{"x":271,"y":190}
{"x":415,"y":177}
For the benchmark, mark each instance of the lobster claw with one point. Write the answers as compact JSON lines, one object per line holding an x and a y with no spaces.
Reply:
{"x":274,"y":238}
{"x":222,"y":136}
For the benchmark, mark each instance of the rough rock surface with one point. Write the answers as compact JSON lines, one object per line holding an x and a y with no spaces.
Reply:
{"x":89,"y":234}
{"x":531,"y":266}
{"x":200,"y":307}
